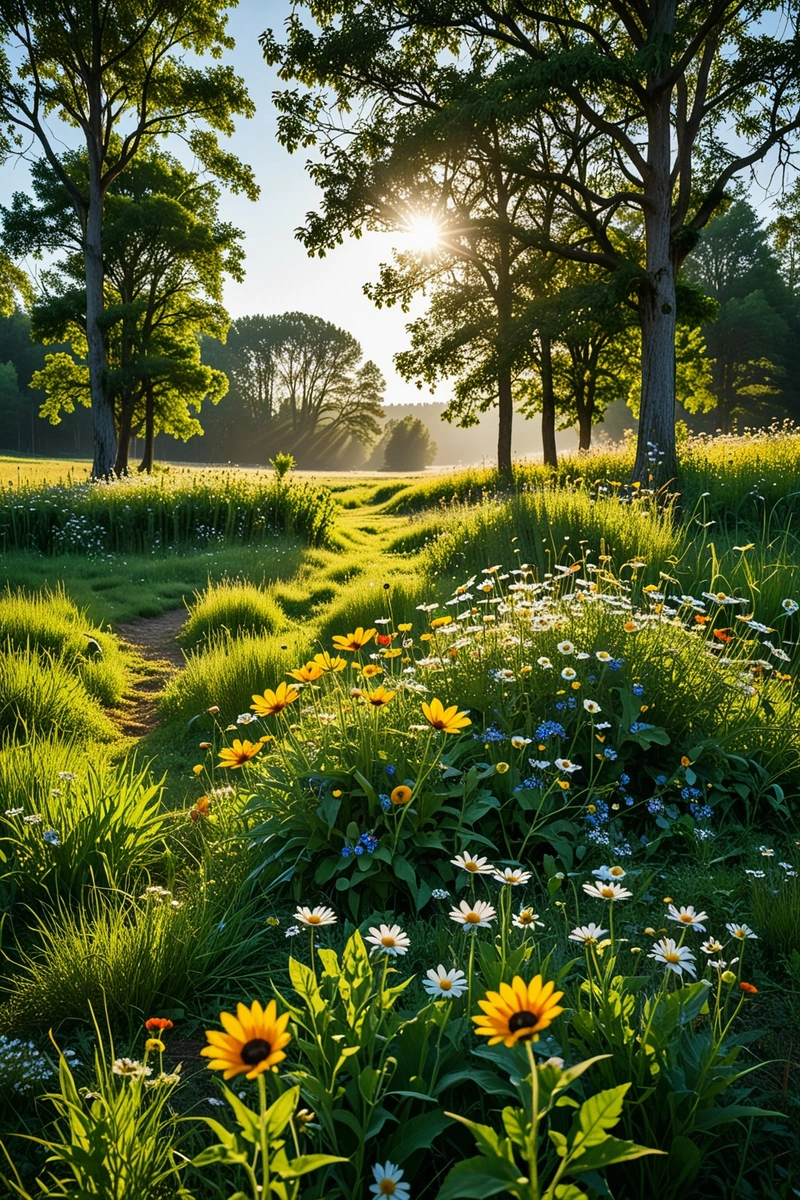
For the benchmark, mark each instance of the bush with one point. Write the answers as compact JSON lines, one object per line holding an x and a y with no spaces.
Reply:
{"x":40,"y":694}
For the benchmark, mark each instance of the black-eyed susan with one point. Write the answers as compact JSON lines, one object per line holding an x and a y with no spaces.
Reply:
{"x":371,"y":670}
{"x":379,"y":697}
{"x":274,"y":702}
{"x":518,"y":1012}
{"x":449,"y":720}
{"x":238,"y":753}
{"x":329,"y":662}
{"x":253,"y":1041}
{"x":401,"y":794}
{"x":353,"y":641}
{"x":308,"y":673}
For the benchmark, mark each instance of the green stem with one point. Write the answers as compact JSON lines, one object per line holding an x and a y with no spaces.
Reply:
{"x":533,"y":1136}
{"x":262,"y":1193}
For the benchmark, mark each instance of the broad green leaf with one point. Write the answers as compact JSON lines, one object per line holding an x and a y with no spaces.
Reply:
{"x":308,"y":1162}
{"x":596,"y":1115}
{"x":515,"y":1124}
{"x":280,"y":1113}
{"x":611,"y":1150}
{"x":477,"y":1178}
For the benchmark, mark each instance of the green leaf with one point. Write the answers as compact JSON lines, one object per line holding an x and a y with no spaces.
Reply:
{"x":516,"y":1125}
{"x":477,"y":1178}
{"x":596,"y":1115}
{"x":610,"y":1150}
{"x":308,"y":1162}
{"x":281,"y":1112}
{"x":414,"y":1135}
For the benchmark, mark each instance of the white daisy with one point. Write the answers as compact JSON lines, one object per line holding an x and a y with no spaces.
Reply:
{"x":674,"y":957}
{"x":789,"y":606}
{"x":315,"y":916}
{"x":565,"y":764}
{"x":565,"y":648}
{"x":388,"y":939}
{"x":477,"y":915}
{"x":569,"y":673}
{"x":519,"y":743}
{"x":591,"y":706}
{"x":512,"y":876}
{"x":742,"y":932}
{"x":545,"y":663}
{"x":445,"y":983}
{"x":687,"y":916}
{"x":526,"y":918}
{"x":606,"y":873}
{"x":607,"y":891}
{"x":711,"y":946}
{"x":476,"y":866}
{"x":587,"y":934}
{"x":387,"y":1182}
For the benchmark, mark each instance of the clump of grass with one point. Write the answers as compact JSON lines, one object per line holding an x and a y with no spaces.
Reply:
{"x":233,"y":607}
{"x":49,"y":622}
{"x":228,"y":671}
{"x":41,"y":694}
{"x":199,"y":510}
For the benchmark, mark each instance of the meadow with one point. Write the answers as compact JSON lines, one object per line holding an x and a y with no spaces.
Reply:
{"x":453,"y":853}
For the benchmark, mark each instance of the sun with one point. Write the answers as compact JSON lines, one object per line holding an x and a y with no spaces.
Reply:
{"x":424,"y":233}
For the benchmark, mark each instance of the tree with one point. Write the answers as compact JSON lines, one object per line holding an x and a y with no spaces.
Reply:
{"x":667,"y":88}
{"x":166,"y":254}
{"x":747,"y":340}
{"x":99,"y":66}
{"x":303,"y":379}
{"x":408,"y":446}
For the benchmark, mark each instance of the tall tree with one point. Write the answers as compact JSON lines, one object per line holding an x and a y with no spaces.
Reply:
{"x":749,"y":337}
{"x":122,"y":73}
{"x":681,"y":97}
{"x":166,"y":254}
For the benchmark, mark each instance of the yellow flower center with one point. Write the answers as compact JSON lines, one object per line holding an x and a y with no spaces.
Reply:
{"x":313,"y":919}
{"x":687,"y":918}
{"x":445,"y":985}
{"x":616,"y":872}
{"x":672,"y":957}
{"x":607,"y":891}
{"x":470,"y":866}
{"x":388,"y":1187}
{"x":472,"y":918}
{"x":387,"y":941}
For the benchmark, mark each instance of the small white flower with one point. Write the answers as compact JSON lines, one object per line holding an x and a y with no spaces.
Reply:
{"x":13,"y":812}
{"x":742,"y":932}
{"x":545,"y":663}
{"x":246,"y":718}
{"x":711,"y":946}
{"x":569,"y":673}
{"x":388,"y":939}
{"x":607,"y":891}
{"x":687,"y":916}
{"x":591,"y":706}
{"x":587,"y":934}
{"x":606,"y":873}
{"x":526,"y":918}
{"x":130,"y":1069}
{"x":445,"y":983}
{"x":292,"y":931}
{"x":519,"y":743}
{"x":674,"y":957}
{"x":766,"y":852}
{"x":512,"y":876}
{"x":476,"y":866}
{"x":565,"y":648}
{"x":602,"y":656}
{"x":789,"y":606}
{"x":388,"y":1182}
{"x":315,"y":916}
{"x":539,"y":764}
{"x":477,"y":915}
{"x":565,"y":764}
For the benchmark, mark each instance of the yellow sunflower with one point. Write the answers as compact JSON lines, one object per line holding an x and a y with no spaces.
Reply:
{"x":379,"y":697}
{"x":272,"y":702}
{"x":353,"y":641}
{"x":449,"y":720}
{"x":253,"y":1041}
{"x":328,"y":662}
{"x":518,"y":1012}
{"x":238,"y":753}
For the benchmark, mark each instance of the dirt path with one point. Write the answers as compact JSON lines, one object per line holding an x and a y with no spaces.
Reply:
{"x":154,"y":639}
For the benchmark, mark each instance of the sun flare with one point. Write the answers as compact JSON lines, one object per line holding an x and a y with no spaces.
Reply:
{"x":424,"y":233}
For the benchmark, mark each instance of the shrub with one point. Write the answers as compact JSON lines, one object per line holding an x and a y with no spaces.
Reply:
{"x":409,"y":446}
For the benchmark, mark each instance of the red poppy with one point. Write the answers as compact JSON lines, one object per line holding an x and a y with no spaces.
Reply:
{"x":158,"y":1023}
{"x":383,"y":639}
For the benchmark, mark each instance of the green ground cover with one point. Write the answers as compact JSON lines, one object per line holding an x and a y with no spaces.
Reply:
{"x":623,"y":749}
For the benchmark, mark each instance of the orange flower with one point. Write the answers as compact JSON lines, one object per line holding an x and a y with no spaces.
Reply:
{"x":200,"y":809}
{"x":238,"y":754}
{"x":161,"y":1023}
{"x":353,"y":641}
{"x":401,"y":794}
{"x":384,"y":639}
{"x":748,"y":988}
{"x":685,"y":761}
{"x":272,"y":702}
{"x":379,"y":697}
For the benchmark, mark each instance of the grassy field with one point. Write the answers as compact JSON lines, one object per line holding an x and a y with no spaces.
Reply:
{"x":621,"y":673}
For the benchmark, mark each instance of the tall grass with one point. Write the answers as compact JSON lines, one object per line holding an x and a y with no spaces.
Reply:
{"x":41,"y":694}
{"x":201,"y":510}
{"x":49,"y":622}
{"x":234,"y":607}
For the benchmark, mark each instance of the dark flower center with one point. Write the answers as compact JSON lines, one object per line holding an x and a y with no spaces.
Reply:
{"x":255,"y":1051}
{"x":522,"y":1020}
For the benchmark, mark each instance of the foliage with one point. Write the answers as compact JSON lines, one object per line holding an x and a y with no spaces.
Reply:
{"x":197,"y":510}
{"x":408,"y":446}
{"x":230,"y":607}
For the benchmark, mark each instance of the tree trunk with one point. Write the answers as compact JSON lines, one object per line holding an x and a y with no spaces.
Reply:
{"x":124,"y":438}
{"x":584,"y":428}
{"x":102,"y":408}
{"x":549,"y":452}
{"x":656,"y":460}
{"x":505,"y":413}
{"x":149,"y":434}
